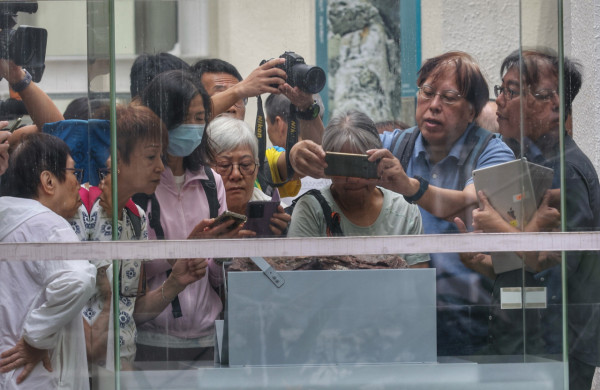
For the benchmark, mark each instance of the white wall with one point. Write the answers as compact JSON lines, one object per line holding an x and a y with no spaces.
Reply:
{"x":582,"y":29}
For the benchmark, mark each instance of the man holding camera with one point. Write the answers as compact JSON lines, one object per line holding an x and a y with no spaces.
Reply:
{"x":222,"y":79}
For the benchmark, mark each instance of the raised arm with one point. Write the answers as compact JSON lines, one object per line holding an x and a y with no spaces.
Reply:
{"x":264,"y":79}
{"x":39,"y":106}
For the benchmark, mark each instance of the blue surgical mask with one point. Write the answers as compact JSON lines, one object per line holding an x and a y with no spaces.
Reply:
{"x":184,"y":139}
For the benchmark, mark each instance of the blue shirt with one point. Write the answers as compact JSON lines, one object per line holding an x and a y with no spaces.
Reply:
{"x":463,"y":295}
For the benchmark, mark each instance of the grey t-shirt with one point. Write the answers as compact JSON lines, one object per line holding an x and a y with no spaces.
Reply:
{"x":397,"y":217}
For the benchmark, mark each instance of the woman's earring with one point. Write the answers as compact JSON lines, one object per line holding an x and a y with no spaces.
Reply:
{"x":118,"y":171}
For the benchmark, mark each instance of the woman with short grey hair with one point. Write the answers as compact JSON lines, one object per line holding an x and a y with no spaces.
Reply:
{"x":236,"y":160}
{"x":361,"y":207}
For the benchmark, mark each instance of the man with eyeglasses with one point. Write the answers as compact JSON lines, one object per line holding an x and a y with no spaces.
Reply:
{"x":431,"y":166}
{"x":41,"y":301}
{"x":530,"y":86}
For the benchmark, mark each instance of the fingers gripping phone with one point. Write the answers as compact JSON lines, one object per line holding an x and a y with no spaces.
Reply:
{"x":259,"y":216}
{"x":352,"y":165}
{"x":228,"y":216}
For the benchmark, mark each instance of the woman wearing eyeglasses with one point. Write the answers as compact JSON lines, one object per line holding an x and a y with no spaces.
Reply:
{"x":431,"y":166}
{"x":236,"y":160}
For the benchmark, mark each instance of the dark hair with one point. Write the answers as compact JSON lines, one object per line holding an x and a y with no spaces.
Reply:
{"x":147,"y":66}
{"x":391,"y":125}
{"x":37,"y":152}
{"x":529,"y":68}
{"x":352,"y":128}
{"x":83,"y":108}
{"x":169,"y":95}
{"x":277,"y":105}
{"x":469,"y":79}
{"x":136,"y":123}
{"x":215,"y":65}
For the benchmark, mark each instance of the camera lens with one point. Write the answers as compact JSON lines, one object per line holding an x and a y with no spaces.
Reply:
{"x":310,"y":79}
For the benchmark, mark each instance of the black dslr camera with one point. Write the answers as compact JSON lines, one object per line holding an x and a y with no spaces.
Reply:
{"x":25,"y":46}
{"x":308,"y":78}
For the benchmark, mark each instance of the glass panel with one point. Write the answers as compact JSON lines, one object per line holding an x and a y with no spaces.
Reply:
{"x":461,"y":319}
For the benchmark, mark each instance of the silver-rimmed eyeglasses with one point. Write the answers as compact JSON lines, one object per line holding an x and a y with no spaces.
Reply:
{"x":449,"y":97}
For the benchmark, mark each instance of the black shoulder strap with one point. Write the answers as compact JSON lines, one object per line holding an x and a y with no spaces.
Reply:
{"x":332,"y":219}
{"x":210,"y":189}
{"x":264,"y":177}
{"x":136,"y":221}
{"x":403,"y":145}
{"x":153,"y":216}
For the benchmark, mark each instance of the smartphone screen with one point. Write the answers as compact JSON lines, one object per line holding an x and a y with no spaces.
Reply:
{"x":352,"y":165}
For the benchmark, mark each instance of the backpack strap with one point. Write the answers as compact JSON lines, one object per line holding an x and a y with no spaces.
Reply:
{"x":210,"y":189}
{"x":135,"y":218}
{"x":142,"y":200}
{"x":403,"y":145}
{"x":332,"y":218}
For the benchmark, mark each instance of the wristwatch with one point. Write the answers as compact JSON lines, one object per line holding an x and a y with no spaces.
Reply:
{"x":423,"y":185}
{"x":21,"y":85}
{"x":312,"y":112}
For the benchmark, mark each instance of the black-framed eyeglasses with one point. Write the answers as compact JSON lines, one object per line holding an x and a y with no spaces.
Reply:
{"x":544,"y":95}
{"x":78,"y":172}
{"x":448,"y":97}
{"x":246,"y":168}
{"x":103,"y":172}
{"x":509,"y":94}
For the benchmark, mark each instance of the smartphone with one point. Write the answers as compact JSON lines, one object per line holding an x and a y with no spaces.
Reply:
{"x":259,"y":216}
{"x":352,"y":165}
{"x":228,"y":216}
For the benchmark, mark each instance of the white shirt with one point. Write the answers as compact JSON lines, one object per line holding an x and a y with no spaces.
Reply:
{"x":41,"y":301}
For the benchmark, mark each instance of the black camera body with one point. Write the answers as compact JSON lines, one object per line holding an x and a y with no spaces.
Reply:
{"x":25,"y":46}
{"x":308,"y":78}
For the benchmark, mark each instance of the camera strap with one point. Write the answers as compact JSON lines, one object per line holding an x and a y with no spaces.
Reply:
{"x":261,"y":135}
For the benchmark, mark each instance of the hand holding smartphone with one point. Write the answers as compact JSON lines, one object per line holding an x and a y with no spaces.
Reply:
{"x":228,"y":216}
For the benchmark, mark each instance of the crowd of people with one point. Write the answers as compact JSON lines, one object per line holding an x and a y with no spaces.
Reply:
{"x":185,"y":155}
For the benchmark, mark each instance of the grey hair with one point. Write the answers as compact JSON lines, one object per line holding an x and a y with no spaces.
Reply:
{"x":228,"y":134}
{"x":352,"y":129}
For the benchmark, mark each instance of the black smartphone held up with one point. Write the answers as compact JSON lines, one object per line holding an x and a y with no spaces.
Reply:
{"x":352,"y":165}
{"x":228,"y":216}
{"x":259,"y":214}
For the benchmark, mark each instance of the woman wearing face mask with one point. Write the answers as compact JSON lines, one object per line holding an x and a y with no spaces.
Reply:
{"x":184,"y":330}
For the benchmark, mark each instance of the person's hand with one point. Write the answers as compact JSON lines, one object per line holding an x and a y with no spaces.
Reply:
{"x":487,"y":219}
{"x":302,"y":100}
{"x":203,"y":230}
{"x":391,"y":174}
{"x":188,"y":271}
{"x":280,"y":221}
{"x":26,"y":356}
{"x":10,"y":71}
{"x":264,"y":79}
{"x":308,"y":159}
{"x":4,"y":146}
{"x":478,"y":262}
{"x":546,"y":218}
